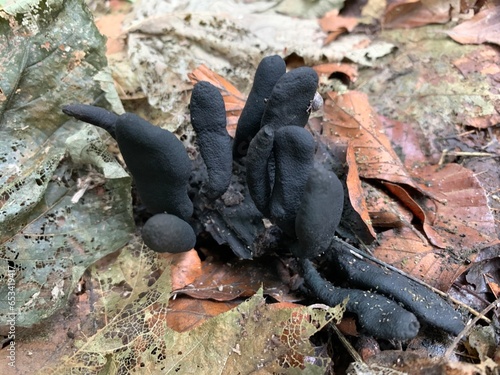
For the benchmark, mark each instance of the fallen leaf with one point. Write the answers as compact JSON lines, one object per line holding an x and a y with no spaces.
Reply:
{"x":225,"y":282}
{"x":384,"y":211}
{"x":406,"y":250}
{"x":415,"y":13}
{"x":356,"y":195}
{"x":462,"y":223}
{"x":48,"y":238}
{"x":347,"y":73}
{"x":484,"y":27}
{"x":185,"y":268}
{"x":350,"y":115}
{"x":186,"y":313}
{"x":336,"y":25}
{"x":234,"y":100}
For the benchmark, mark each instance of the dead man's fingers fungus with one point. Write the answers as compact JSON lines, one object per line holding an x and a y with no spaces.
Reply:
{"x":156,"y":159}
{"x":269,"y":71}
{"x":208,"y":117}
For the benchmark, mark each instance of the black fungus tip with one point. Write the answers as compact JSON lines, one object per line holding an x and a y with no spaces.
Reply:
{"x":377,"y":315}
{"x":293,"y":160}
{"x":269,"y":71}
{"x":257,"y":167}
{"x":319,"y":213}
{"x":166,"y":233}
{"x":93,"y":115}
{"x":159,"y":164}
{"x":291,"y":99}
{"x":423,"y":302}
{"x":208,"y":117}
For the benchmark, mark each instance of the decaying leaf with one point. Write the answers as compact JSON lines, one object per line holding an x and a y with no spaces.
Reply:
{"x":350,"y":116}
{"x":186,"y":313}
{"x":408,"y":251}
{"x":415,"y":13}
{"x":234,"y":100}
{"x":484,"y":27}
{"x":136,"y":336}
{"x":336,"y":25}
{"x":225,"y":282}
{"x":65,"y":202}
{"x":447,"y":200}
{"x":356,"y":195}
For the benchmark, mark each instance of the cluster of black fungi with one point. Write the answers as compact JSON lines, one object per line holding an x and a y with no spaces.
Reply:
{"x":287,"y":186}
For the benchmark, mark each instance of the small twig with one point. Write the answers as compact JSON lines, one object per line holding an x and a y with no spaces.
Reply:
{"x":468,"y":327}
{"x":354,"y":354}
{"x":447,"y":152}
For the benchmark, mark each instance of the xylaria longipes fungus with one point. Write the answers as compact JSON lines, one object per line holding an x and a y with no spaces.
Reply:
{"x":208,"y":118}
{"x":155,"y":157}
{"x":269,"y":71}
{"x":279,"y":177}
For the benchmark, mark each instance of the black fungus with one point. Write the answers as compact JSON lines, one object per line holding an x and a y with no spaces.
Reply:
{"x":291,"y":99}
{"x":159,"y":164}
{"x":208,"y":117}
{"x":319,"y":214}
{"x":293,"y":161}
{"x":258,"y":175}
{"x":156,"y":159}
{"x":269,"y":71}
{"x":377,"y":315}
{"x":424,"y":303}
{"x":165,"y":233}
{"x":93,"y":115}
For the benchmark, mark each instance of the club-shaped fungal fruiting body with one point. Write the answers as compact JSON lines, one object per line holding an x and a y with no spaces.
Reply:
{"x":281,"y":180}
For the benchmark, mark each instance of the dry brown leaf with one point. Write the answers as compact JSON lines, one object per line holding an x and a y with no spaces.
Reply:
{"x":185,"y":313}
{"x":484,"y":27}
{"x":405,"y":249}
{"x":336,"y":25}
{"x":338,"y":70}
{"x":185,"y":268}
{"x":233,"y":98}
{"x":350,"y":115}
{"x":225,"y":282}
{"x":463,"y":222}
{"x":110,"y":25}
{"x":385,"y":212}
{"x":412,"y":147}
{"x":415,"y":13}
{"x":356,"y":195}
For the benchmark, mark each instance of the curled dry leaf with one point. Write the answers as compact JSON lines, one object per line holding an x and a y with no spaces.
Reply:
{"x":234,"y":100}
{"x":484,"y":27}
{"x":356,"y":195}
{"x":415,"y":13}
{"x":336,"y":25}
{"x":347,"y":73}
{"x":385,"y":212}
{"x":350,"y":116}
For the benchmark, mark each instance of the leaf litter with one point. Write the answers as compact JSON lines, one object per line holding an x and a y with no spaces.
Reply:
{"x":118,"y":360}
